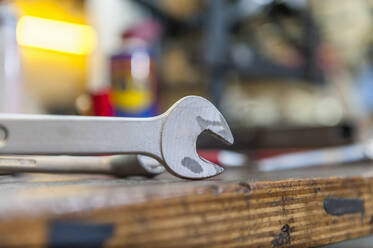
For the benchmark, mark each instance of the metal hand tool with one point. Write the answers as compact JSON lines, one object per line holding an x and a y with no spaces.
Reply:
{"x":117,"y":165}
{"x":325,"y":156}
{"x":170,"y":138}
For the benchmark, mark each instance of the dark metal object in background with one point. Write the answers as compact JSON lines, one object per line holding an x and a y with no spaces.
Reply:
{"x":260,"y":138}
{"x":216,"y":47}
{"x":223,"y":18}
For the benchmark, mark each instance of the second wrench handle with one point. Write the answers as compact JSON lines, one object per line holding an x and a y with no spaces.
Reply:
{"x":79,"y":135}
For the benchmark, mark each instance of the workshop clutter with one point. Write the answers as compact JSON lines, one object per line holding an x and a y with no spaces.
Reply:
{"x":186,"y":123}
{"x":286,"y":75}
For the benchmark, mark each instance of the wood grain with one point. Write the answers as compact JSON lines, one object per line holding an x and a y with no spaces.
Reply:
{"x":242,"y":208}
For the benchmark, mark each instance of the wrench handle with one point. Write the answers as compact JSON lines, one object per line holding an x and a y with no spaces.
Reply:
{"x":119,"y":165}
{"x":55,"y":164}
{"x":79,"y":135}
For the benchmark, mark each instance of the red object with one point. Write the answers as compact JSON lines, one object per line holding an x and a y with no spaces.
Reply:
{"x":146,"y":30}
{"x":210,"y":155}
{"x":102,"y":105}
{"x":268,"y":153}
{"x":224,"y":157}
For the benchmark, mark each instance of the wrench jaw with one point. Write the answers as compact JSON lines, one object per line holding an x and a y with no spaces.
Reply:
{"x":184,"y":122}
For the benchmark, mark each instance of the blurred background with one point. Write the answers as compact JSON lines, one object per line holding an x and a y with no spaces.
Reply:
{"x":288,"y":75}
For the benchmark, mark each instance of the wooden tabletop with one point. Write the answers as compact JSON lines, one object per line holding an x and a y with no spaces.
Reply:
{"x":240,"y":208}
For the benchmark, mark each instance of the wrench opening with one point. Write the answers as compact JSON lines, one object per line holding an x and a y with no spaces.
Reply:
{"x":186,"y":120}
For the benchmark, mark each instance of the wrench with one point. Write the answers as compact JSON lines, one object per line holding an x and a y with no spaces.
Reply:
{"x":170,"y":137}
{"x":118,"y":165}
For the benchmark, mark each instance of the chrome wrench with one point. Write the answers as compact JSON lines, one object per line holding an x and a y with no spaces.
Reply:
{"x":170,"y":138}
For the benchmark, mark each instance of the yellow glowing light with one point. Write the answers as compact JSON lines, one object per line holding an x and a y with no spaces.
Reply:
{"x":55,"y":35}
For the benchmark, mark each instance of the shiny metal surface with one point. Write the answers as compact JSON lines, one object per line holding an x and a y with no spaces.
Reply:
{"x":170,"y":138}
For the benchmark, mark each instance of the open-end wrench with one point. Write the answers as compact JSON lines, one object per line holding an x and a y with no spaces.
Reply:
{"x":117,"y":165}
{"x":170,"y":138}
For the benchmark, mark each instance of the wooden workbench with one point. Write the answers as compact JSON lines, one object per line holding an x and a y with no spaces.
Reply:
{"x":240,"y":208}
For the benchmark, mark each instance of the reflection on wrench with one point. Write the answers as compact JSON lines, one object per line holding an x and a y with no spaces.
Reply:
{"x":118,"y":165}
{"x":170,"y":138}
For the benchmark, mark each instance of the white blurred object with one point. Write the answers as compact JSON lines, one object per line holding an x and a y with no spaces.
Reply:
{"x":232,"y":159}
{"x":224,"y":157}
{"x":10,"y":82}
{"x":327,"y":156}
{"x":109,"y":18}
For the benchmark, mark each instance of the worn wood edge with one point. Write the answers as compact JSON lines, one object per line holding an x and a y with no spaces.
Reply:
{"x":227,"y":214}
